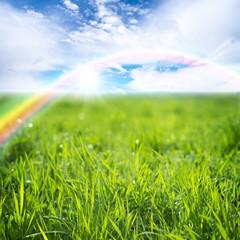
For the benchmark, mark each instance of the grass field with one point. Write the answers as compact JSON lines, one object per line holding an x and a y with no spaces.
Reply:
{"x":124,"y":167}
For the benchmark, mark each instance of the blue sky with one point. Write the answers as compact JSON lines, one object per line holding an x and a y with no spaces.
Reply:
{"x":43,"y":42}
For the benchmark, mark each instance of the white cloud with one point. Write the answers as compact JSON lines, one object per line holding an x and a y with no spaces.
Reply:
{"x":106,"y":1}
{"x":206,"y":78}
{"x":31,"y":43}
{"x":199,"y":76}
{"x":28,"y":46}
{"x":198,"y":27}
{"x":70,"y":5}
{"x":34,"y":14}
{"x":13,"y":81}
{"x":110,"y":31}
{"x":133,"y":21}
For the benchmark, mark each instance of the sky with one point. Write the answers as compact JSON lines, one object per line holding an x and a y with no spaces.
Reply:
{"x":120,"y":46}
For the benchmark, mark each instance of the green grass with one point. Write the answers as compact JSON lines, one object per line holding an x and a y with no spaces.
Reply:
{"x":131,"y":167}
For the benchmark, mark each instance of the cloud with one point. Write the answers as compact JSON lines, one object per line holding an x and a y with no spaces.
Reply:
{"x":33,"y":42}
{"x":152,"y":71}
{"x":113,"y":29}
{"x":71,"y":7}
{"x":206,"y":78}
{"x":12,"y":81}
{"x":197,"y":27}
{"x":34,"y":14}
{"x":28,"y":46}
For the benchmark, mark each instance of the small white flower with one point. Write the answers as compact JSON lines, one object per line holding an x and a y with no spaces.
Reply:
{"x":30,"y":125}
{"x":19,"y":120}
{"x":137,"y":141}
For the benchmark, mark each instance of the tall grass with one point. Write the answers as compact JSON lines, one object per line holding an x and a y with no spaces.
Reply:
{"x":139,"y":167}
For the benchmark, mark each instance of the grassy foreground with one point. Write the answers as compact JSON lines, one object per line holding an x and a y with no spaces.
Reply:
{"x":132,"y":167}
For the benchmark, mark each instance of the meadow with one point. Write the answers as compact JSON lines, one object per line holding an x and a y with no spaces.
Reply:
{"x":124,"y":167}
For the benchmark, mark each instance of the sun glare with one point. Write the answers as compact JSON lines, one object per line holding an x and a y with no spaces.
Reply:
{"x":88,"y":80}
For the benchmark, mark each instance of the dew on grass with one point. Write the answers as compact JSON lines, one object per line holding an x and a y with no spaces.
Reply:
{"x":61,"y":146}
{"x":134,"y":182}
{"x":137,"y":141}
{"x":28,"y":181}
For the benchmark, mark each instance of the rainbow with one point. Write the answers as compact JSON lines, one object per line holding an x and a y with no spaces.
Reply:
{"x":14,"y":119}
{"x":11,"y":121}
